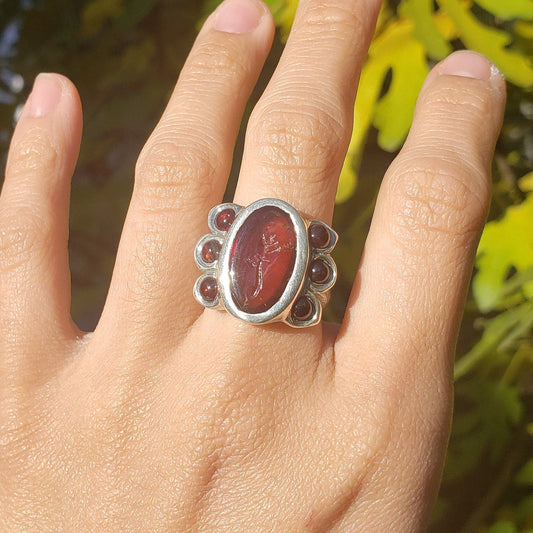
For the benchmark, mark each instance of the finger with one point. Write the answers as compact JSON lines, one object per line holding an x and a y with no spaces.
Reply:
{"x":427,"y":223}
{"x":34,"y":272}
{"x":299,"y":132}
{"x":182,"y":172}
{"x":397,"y":342}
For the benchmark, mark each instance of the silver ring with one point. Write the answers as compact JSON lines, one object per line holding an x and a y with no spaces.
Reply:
{"x":266,"y":263}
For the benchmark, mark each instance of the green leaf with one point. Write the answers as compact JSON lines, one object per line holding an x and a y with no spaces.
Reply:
{"x":524,"y":510}
{"x":504,"y":244}
{"x":425,"y":27}
{"x":348,"y":177}
{"x":503,"y":527}
{"x":497,"y":407}
{"x":490,"y":41}
{"x":508,"y":9}
{"x":485,"y":414}
{"x":463,"y":454}
{"x":525,"y":474}
{"x":496,"y":331}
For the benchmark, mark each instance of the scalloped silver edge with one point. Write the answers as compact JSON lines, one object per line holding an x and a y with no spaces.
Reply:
{"x":298,"y":284}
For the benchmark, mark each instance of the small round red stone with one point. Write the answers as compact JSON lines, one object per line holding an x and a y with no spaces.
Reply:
{"x":209,"y":289}
{"x":319,"y":271}
{"x":302,"y":309}
{"x":319,"y":236}
{"x":225,"y":219}
{"x":211,"y":251}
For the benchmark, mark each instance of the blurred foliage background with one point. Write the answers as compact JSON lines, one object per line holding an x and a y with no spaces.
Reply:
{"x":124,"y":56}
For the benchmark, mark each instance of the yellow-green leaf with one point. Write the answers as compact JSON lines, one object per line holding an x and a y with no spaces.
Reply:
{"x":284,"y":12}
{"x":524,"y":29}
{"x":504,"y":244}
{"x":425,"y":27}
{"x":508,"y":9}
{"x":394,"y":112}
{"x":347,"y":179}
{"x":496,"y":331}
{"x":526,"y":182}
{"x":370,"y":85}
{"x":397,"y":49}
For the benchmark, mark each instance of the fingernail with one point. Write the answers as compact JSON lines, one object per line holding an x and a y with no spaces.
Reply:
{"x":237,"y":16}
{"x":44,"y":96}
{"x":469,"y":65}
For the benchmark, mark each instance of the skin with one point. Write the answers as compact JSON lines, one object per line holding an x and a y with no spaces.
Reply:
{"x":169,"y":417}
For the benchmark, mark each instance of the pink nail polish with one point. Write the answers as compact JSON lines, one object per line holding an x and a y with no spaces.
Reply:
{"x":237,"y":16}
{"x":45,"y":96}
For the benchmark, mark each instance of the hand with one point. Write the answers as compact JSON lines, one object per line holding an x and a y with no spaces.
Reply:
{"x":170,"y":417}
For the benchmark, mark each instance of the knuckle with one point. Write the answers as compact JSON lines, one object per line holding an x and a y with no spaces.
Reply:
{"x":462,"y":117}
{"x":32,"y":154}
{"x":311,"y":139}
{"x":167,"y":174}
{"x":437,"y":202}
{"x":339,"y":20}
{"x":216,"y":60}
{"x":20,"y":236}
{"x":461,"y":98}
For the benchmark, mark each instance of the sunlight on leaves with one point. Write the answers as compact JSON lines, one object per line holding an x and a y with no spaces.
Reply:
{"x":397,"y":50}
{"x":492,"y":42}
{"x":496,"y":331}
{"x":406,"y":38}
{"x":426,"y":29}
{"x":505,"y":244}
{"x":508,"y":9}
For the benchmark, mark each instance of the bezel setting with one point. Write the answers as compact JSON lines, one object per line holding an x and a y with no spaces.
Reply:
{"x":298,"y":284}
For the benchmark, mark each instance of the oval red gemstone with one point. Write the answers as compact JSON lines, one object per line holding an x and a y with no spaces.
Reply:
{"x":262,"y":259}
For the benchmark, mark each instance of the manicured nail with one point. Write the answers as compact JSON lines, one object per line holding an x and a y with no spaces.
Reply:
{"x":469,"y":65}
{"x":237,"y":16}
{"x":44,"y":96}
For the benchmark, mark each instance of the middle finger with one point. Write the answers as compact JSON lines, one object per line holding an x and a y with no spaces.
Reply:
{"x":299,"y":131}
